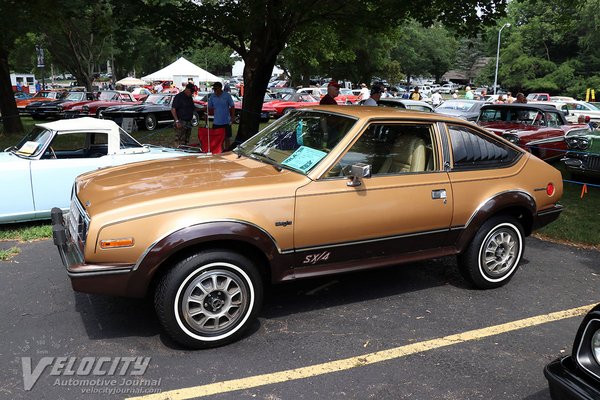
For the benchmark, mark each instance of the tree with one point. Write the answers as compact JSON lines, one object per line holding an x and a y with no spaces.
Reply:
{"x":80,"y":36}
{"x":258,"y":30}
{"x":16,"y":15}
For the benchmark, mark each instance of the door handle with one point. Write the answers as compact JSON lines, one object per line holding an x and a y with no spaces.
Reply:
{"x":439,"y":194}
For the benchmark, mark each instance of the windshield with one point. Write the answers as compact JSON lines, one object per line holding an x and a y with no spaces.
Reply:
{"x":515,"y":116}
{"x":74,"y":96}
{"x":127,"y":141}
{"x":157,"y":99}
{"x":299,"y":140}
{"x":33,"y":143}
{"x":105,"y":96}
{"x":456,"y":105}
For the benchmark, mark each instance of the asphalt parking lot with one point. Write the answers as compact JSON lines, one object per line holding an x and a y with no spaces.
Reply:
{"x":316,"y":339}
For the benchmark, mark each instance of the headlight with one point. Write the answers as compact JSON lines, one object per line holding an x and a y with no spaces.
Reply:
{"x":578,"y":143}
{"x":59,"y":107}
{"x":596,"y":345}
{"x":511,"y":138}
{"x":587,"y":354}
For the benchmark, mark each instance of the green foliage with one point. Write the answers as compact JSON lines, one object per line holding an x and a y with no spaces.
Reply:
{"x":215,"y":58}
{"x":7,"y":254}
{"x":26,"y":232}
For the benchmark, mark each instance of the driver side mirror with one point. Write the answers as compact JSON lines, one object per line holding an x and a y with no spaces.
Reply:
{"x":358,"y":172}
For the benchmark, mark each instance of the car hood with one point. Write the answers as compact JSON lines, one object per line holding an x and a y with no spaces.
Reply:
{"x":152,"y":186}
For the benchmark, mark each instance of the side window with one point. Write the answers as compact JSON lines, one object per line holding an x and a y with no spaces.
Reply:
{"x":553,"y":119}
{"x":391,"y":149}
{"x":473,"y":150}
{"x":78,"y":145}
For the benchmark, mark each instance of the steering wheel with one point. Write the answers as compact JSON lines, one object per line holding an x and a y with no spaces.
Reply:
{"x":52,"y":153}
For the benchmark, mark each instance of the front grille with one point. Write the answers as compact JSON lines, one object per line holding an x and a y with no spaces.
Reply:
{"x":593,"y":162}
{"x":78,"y":222}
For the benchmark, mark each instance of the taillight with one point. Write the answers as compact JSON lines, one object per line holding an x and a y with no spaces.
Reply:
{"x":550,"y":189}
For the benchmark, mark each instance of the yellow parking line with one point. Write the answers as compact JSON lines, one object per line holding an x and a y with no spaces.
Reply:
{"x":362,"y":360}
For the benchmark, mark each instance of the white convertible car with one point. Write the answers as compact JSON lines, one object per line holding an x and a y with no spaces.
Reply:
{"x":38,"y":173}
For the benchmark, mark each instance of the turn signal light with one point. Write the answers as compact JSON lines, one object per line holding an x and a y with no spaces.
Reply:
{"x":115,"y":243}
{"x":550,"y":189}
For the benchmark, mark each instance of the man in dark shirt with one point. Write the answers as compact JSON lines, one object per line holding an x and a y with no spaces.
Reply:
{"x":183,"y":112}
{"x":333,"y":90}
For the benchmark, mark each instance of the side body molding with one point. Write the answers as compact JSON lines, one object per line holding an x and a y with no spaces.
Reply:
{"x":519,"y":204}
{"x":240,"y":234}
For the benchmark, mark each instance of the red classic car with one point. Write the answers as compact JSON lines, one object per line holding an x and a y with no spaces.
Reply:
{"x":105,"y":99}
{"x":538,"y":128}
{"x":43,"y":95}
{"x":292,"y":101}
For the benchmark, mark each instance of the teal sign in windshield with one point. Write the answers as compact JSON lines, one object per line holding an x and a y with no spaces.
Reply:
{"x":304,"y":158}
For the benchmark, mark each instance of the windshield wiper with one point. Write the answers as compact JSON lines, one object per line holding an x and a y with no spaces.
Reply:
{"x":273,"y":161}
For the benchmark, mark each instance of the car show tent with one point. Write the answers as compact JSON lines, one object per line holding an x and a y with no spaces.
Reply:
{"x":180,"y":72}
{"x":131,"y":81}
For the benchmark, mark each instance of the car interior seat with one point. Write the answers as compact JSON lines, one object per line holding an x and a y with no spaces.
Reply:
{"x":409,"y":154}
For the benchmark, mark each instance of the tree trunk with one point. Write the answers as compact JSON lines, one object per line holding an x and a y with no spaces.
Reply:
{"x":8,"y":106}
{"x":257,"y":72}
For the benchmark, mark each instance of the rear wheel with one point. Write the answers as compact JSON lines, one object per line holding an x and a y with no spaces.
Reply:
{"x":209,"y":299}
{"x":493,"y":256}
{"x":150,"y":122}
{"x":237,"y":117}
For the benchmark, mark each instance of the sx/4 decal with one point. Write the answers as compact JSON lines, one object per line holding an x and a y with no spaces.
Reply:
{"x":315,"y":258}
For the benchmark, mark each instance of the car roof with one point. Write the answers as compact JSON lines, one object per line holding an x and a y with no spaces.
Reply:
{"x":529,"y":106}
{"x":80,"y":124}
{"x":404,"y":101}
{"x":375,"y":112}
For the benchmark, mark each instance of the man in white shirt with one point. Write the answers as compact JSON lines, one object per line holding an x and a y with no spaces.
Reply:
{"x":364,"y":93}
{"x":436,"y":99}
{"x":376,"y":91}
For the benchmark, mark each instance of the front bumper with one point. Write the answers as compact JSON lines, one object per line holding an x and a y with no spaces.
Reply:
{"x":566,"y":383}
{"x":90,"y":278}
{"x":588,"y":164}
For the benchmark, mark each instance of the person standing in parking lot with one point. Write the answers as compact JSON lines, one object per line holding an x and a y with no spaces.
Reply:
{"x":333,"y":90}
{"x":376,"y":92}
{"x":436,"y":99}
{"x":220,"y":103}
{"x":415,"y":95}
{"x":520,"y":98}
{"x":182,"y":110}
{"x":364,"y":93}
{"x":469,"y":93}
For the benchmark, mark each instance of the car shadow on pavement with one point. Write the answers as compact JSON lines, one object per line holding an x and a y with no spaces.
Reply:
{"x":112,"y":317}
{"x":332,"y":291}
{"x":106,"y":317}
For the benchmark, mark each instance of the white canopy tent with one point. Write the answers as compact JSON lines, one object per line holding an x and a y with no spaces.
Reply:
{"x":131,"y":81}
{"x":180,"y":72}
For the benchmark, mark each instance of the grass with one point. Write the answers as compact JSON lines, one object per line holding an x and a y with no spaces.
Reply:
{"x":26,"y":232}
{"x":6,"y":255}
{"x":578,"y":223}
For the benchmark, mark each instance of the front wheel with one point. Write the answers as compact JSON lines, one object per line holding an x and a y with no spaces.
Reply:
{"x":209,"y":299}
{"x":195,"y":118}
{"x":493,"y":256}
{"x":150,"y":122}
